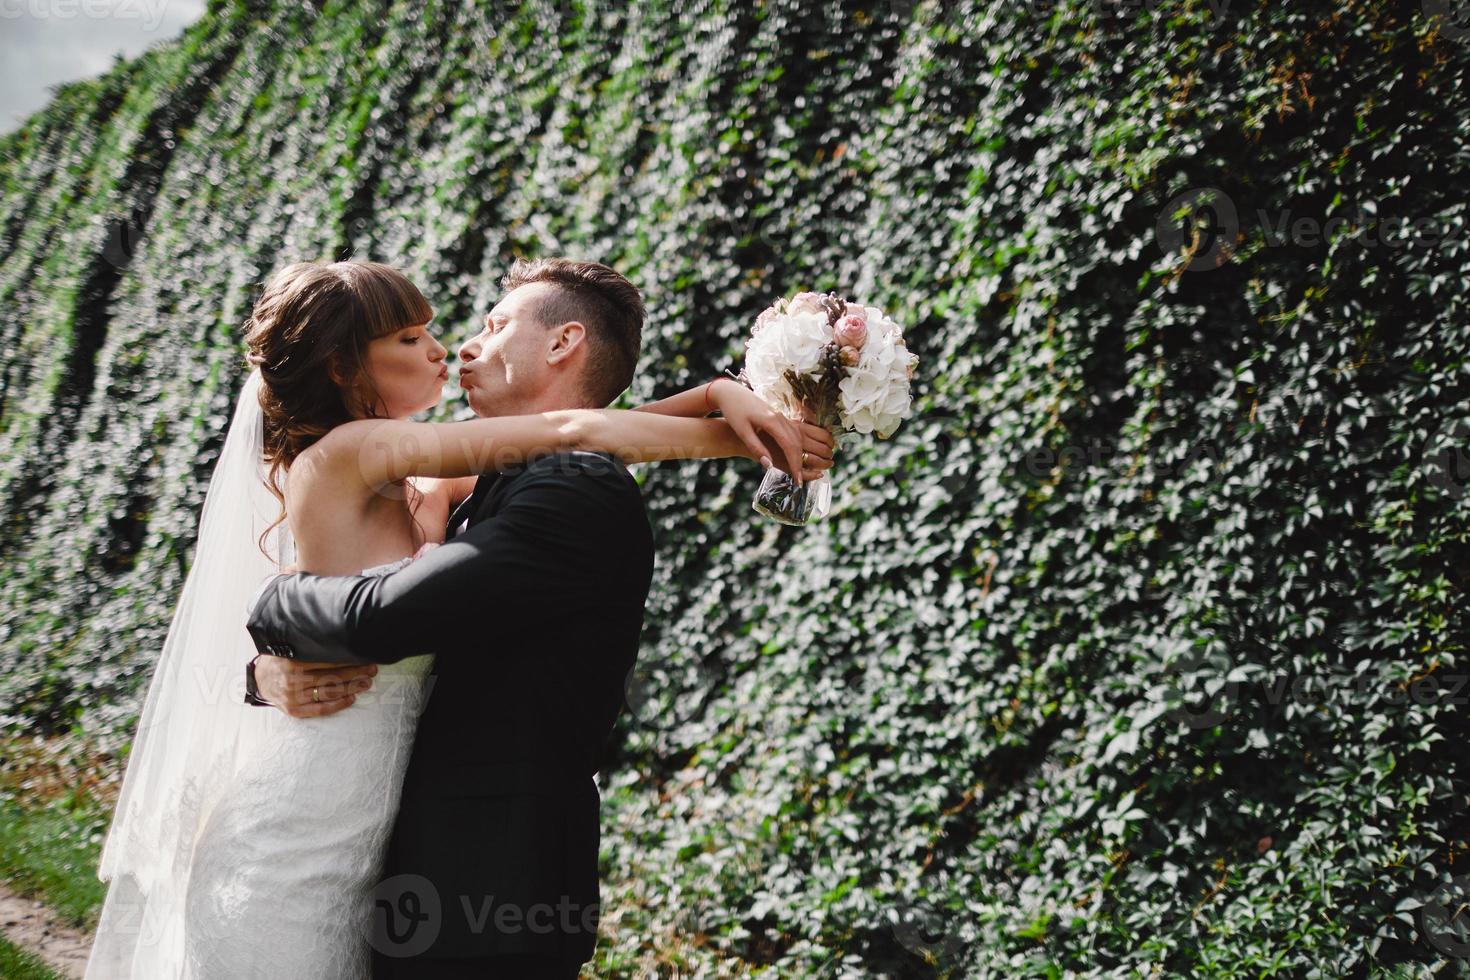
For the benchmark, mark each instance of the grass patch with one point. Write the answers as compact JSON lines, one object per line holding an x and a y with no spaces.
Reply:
{"x":17,"y":964}
{"x":54,"y":811}
{"x":51,"y":853}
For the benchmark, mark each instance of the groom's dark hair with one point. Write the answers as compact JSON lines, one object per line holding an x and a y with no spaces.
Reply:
{"x":602,"y":300}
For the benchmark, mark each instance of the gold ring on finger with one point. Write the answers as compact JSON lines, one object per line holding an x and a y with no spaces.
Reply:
{"x":314,"y":697}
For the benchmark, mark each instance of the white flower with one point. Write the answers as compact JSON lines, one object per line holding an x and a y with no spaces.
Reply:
{"x":879,"y":322}
{"x":786,"y":342}
{"x":790,"y":338}
{"x":875,"y":393}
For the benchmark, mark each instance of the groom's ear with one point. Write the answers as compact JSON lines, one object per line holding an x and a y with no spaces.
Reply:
{"x":565,"y":340}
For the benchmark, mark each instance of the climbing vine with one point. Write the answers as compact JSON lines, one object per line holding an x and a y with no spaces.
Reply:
{"x":1141,"y":647}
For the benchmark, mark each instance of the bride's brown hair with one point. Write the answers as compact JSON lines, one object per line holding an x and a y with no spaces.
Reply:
{"x":308,"y":335}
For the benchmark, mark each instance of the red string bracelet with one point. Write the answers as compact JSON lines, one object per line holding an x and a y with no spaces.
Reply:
{"x":708,"y":407}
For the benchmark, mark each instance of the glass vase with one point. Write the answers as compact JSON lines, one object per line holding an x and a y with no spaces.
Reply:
{"x":780,"y":499}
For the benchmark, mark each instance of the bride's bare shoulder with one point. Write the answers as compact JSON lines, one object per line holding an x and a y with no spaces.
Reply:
{"x":344,"y":438}
{"x":345,"y":443}
{"x":329,"y":461}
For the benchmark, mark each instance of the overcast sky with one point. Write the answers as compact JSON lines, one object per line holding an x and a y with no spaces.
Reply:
{"x":45,"y":42}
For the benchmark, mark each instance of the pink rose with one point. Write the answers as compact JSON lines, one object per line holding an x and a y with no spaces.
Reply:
{"x":851,"y":331}
{"x":805,"y":303}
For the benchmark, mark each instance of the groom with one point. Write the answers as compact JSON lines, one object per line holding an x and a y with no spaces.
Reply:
{"x":533,"y":607}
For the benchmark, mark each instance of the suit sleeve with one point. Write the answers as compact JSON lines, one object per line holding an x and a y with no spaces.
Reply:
{"x":554,"y":544}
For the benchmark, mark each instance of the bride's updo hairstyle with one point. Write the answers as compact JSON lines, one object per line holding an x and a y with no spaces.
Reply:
{"x":309,"y":334}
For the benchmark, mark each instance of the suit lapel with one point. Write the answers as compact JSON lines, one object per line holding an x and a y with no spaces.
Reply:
{"x":471,"y":504}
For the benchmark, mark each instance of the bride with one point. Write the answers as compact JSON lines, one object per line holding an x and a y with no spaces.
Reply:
{"x":245,"y":841}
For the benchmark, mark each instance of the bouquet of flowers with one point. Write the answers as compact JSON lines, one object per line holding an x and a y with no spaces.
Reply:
{"x":836,"y":364}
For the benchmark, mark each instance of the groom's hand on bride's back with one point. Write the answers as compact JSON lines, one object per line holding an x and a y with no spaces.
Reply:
{"x":310,"y":690}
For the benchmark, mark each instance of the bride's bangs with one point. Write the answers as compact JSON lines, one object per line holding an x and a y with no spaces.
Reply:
{"x":388,"y":300}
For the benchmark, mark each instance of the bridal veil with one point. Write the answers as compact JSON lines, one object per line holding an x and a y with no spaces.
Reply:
{"x":195,"y":731}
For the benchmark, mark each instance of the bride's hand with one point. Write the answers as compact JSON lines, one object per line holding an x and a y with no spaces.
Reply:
{"x":767,"y":434}
{"x":311,"y":690}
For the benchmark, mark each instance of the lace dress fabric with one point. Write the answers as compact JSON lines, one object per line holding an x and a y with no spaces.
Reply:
{"x":284,"y":872}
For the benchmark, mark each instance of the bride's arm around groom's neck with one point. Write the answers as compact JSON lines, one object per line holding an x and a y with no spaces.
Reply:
{"x":561,"y":540}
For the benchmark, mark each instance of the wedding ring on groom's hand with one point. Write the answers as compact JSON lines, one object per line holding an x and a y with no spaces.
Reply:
{"x":314,"y":698}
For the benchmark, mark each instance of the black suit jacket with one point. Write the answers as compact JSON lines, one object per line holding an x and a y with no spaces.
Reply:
{"x":533,"y":614}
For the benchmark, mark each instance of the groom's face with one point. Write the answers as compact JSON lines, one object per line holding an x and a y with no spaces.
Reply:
{"x":504,"y":365}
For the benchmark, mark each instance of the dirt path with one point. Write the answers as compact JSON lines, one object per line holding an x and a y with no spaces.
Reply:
{"x":30,"y":925}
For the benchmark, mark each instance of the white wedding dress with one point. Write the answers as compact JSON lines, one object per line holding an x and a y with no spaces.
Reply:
{"x":245,"y":843}
{"x":284,"y":871}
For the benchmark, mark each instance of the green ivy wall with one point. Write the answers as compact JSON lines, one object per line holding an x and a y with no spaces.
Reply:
{"x":1135,"y":651}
